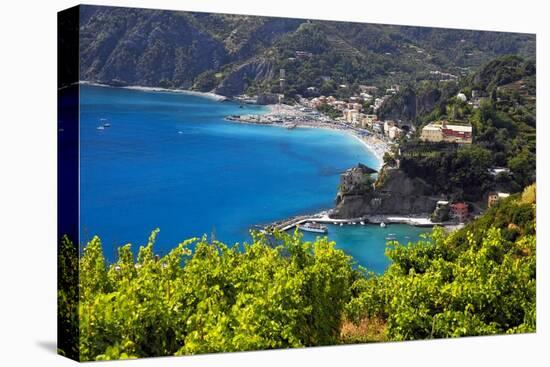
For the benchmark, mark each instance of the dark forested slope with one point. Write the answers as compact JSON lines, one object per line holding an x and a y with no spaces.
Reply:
{"x":231,"y":53}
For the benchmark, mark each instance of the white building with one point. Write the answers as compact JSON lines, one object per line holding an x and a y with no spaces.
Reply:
{"x":394,"y":132}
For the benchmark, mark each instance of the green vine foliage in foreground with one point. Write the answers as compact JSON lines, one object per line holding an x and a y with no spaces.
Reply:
{"x":283,"y":292}
{"x":216,"y":299}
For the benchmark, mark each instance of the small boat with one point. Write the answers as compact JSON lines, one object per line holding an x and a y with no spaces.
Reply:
{"x":180,"y":132}
{"x":106,"y":124}
{"x":383,"y":225}
{"x":353,"y":223}
{"x":390,"y":238}
{"x":362,"y":223}
{"x":313,"y":227}
{"x":101,"y":127}
{"x":334,"y":222}
{"x":341,"y":224}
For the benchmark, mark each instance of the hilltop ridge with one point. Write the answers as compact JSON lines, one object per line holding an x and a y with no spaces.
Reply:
{"x":232,"y":54}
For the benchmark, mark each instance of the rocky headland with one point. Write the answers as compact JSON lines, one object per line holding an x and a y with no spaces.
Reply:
{"x":392,"y":192}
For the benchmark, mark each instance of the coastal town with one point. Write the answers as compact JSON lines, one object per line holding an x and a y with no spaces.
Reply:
{"x":358,"y":116}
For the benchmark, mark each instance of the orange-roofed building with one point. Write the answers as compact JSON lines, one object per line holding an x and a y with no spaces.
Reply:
{"x":459,"y":211}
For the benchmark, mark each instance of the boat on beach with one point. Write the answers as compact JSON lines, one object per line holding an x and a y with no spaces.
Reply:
{"x":313,"y":227}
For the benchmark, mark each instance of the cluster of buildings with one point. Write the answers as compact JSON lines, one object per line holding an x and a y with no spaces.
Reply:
{"x":354,"y":103}
{"x":353,"y":111}
{"x":388,"y":128}
{"x":460,"y":211}
{"x":366,"y":94}
{"x":443,"y":131}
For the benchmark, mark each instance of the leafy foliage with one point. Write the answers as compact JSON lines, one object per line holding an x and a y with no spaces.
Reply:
{"x":280,"y":292}
{"x":215,"y":299}
{"x":477,"y":281}
{"x":67,"y":298}
{"x":460,"y":170}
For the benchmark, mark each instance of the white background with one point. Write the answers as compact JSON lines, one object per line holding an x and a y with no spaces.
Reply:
{"x":28,"y":181}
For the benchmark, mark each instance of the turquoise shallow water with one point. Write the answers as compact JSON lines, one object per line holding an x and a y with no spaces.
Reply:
{"x":367,"y":244}
{"x":170,"y":160}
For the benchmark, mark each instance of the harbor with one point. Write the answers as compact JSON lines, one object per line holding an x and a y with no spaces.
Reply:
{"x":422,"y":221}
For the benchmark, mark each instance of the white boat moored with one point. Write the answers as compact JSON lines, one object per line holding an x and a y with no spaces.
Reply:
{"x":313,"y":227}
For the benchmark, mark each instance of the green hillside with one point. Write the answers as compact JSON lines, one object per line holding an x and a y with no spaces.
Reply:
{"x":210,"y":51}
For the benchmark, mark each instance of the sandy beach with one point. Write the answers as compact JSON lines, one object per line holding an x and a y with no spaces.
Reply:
{"x":294,"y":114}
{"x":208,"y":95}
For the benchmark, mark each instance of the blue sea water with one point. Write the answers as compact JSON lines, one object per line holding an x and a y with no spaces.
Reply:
{"x":367,"y":244}
{"x":170,"y":160}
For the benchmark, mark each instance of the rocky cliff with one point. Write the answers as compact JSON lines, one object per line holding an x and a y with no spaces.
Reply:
{"x":393,"y":193}
{"x":236,"y":81}
{"x":411,"y":103}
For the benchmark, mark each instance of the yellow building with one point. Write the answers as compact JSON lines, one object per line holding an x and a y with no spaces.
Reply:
{"x":442,"y":131}
{"x":432,"y":133}
{"x":351,"y":116}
